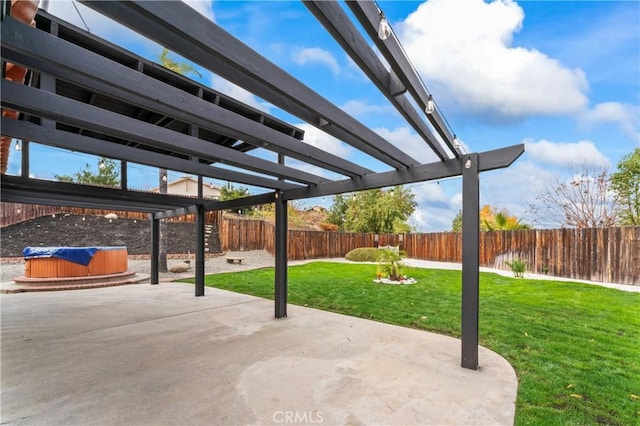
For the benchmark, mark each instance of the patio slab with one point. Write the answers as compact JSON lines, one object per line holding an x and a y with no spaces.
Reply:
{"x":154,"y":355}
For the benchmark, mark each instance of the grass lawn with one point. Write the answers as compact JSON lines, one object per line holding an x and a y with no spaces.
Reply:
{"x":575,"y":347}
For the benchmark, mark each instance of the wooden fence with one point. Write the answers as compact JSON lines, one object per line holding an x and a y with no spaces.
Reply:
{"x":599,"y":254}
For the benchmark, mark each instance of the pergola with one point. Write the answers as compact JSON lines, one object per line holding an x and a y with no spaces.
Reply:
{"x":88,"y":95}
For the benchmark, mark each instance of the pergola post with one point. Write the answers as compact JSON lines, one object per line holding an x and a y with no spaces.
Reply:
{"x":281,"y":257}
{"x":470,"y":260}
{"x":25,"y":169}
{"x":200,"y":251}
{"x":155,"y":249}
{"x":124,"y":184}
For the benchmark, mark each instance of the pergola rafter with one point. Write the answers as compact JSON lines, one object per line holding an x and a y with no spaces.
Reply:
{"x":334,"y":19}
{"x":182,"y":29}
{"x":36,"y":49}
{"x":369,"y":16}
{"x":91,"y":96}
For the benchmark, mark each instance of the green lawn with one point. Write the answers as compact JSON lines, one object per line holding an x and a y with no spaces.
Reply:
{"x":575,"y":347}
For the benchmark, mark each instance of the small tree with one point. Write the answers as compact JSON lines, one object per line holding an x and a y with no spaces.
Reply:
{"x":230,"y":192}
{"x":108,"y":174}
{"x":390,"y":264}
{"x":456,"y":223}
{"x":376,"y":210}
{"x":625,"y":183}
{"x":501,"y":221}
{"x":492,"y":219}
{"x":178,"y":67}
{"x":338,"y":210}
{"x":583,"y":200}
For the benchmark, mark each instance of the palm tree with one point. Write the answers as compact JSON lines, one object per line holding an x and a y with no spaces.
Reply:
{"x":503,"y":222}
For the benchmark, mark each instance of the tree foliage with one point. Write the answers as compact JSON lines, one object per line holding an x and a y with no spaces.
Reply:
{"x":492,"y":219}
{"x":108,"y":174}
{"x":231,"y":192}
{"x":456,"y":223}
{"x":376,"y":210}
{"x":625,"y":183}
{"x":499,"y":220}
{"x":582,"y":200}
{"x":178,"y":67}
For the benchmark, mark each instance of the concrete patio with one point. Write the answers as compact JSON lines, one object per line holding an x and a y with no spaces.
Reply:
{"x":143,"y":354}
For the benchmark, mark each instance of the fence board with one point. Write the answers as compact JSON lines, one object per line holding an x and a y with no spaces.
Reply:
{"x":601,"y":254}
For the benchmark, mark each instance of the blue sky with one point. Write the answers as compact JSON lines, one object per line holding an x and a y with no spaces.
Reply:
{"x":561,"y":77}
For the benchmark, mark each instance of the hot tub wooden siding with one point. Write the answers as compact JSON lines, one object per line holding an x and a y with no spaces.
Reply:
{"x":104,"y":262}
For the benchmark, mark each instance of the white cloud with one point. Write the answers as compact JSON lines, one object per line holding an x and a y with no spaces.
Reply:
{"x":408,"y":141}
{"x":238,"y":93}
{"x":316,"y":137}
{"x":204,"y":7}
{"x":464,"y":48}
{"x":515,"y":187}
{"x":565,"y":153}
{"x":100,"y":25}
{"x":316,"y":55}
{"x":431,"y":194}
{"x":310,"y":168}
{"x":624,"y":115}
{"x":436,"y":208}
{"x":359,"y":108}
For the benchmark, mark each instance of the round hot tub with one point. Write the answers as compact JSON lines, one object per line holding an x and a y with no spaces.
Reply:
{"x":63,"y":262}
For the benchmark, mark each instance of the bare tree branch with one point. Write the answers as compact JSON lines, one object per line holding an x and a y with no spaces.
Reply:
{"x":582,"y":200}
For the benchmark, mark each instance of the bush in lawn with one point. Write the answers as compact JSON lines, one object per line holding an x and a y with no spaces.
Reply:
{"x":390,"y":264}
{"x":517,"y":267}
{"x":364,"y":254}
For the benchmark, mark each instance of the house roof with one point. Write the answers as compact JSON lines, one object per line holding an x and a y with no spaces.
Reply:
{"x":181,"y":179}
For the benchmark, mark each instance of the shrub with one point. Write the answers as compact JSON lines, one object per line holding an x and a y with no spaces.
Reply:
{"x":390,"y":264}
{"x":517,"y":267}
{"x":363,"y":254}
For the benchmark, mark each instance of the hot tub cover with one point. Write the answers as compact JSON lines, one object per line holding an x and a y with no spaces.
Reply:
{"x":80,"y":255}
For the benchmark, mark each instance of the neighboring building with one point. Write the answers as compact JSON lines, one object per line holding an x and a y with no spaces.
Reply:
{"x":188,"y":185}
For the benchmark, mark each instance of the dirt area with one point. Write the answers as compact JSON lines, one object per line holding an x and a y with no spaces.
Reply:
{"x":88,"y":231}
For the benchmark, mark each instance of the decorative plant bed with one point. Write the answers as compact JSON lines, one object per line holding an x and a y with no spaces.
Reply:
{"x":401,"y":282}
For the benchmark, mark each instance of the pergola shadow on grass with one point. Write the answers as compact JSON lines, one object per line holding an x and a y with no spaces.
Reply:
{"x":574,"y":346}
{"x":88,"y":95}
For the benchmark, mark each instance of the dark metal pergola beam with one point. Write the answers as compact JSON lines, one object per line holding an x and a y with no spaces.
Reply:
{"x":45,"y":104}
{"x":334,"y":19}
{"x":182,"y":29}
{"x":73,"y":141}
{"x":38,"y":50}
{"x":37,"y":191}
{"x":78,"y":36}
{"x":208,"y":205}
{"x":368,"y":14}
{"x":489,"y":160}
